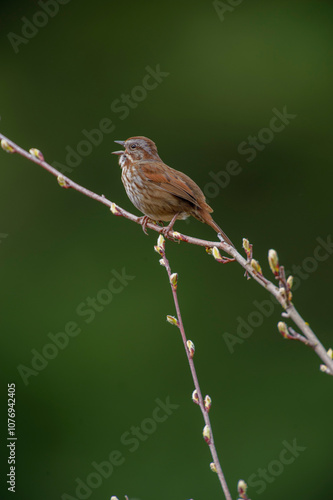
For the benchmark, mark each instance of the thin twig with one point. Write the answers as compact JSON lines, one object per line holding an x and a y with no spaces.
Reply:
{"x":299,"y":337}
{"x":173,"y":278}
{"x":249,"y":265}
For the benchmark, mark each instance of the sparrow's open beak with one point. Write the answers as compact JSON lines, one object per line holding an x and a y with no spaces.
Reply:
{"x":122,"y":143}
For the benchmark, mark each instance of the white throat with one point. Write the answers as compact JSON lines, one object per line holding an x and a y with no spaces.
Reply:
{"x":122,"y":160}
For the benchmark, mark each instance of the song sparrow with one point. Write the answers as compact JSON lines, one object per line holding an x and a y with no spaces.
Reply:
{"x":161,"y":192}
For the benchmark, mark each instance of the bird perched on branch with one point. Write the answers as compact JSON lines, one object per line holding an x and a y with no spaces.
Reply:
{"x":160,"y":192}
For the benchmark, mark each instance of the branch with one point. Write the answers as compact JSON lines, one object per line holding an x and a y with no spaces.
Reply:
{"x":251,"y":266}
{"x":204,"y":404}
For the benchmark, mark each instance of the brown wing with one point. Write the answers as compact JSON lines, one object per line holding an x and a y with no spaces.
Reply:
{"x":170,"y":181}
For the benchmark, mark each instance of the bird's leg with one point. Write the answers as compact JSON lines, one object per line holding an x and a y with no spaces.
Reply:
{"x":166,"y":230}
{"x":144,"y":221}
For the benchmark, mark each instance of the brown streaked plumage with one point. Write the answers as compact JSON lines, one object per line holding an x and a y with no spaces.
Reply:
{"x":161,"y":192}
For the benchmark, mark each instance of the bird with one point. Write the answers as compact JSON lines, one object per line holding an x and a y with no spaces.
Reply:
{"x":160,"y":192}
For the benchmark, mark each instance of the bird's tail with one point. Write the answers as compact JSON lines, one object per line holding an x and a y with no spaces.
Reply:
{"x":217,"y":228}
{"x":204,"y":216}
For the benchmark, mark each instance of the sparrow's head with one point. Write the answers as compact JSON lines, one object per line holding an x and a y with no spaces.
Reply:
{"x":137,"y":149}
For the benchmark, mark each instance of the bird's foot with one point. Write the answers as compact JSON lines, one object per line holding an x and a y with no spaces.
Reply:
{"x":167,"y":229}
{"x":144,"y":221}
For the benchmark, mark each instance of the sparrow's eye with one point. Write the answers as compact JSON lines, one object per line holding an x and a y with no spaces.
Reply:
{"x":133,"y":146}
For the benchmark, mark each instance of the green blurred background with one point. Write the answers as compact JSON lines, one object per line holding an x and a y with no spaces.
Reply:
{"x":58,"y":247}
